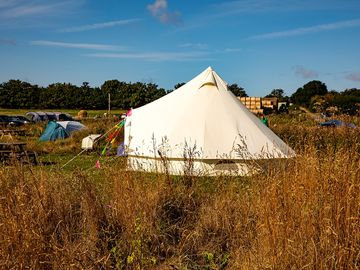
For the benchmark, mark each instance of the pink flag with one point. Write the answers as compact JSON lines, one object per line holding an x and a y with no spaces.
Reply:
{"x":129,"y":112}
{"x":97,"y":164}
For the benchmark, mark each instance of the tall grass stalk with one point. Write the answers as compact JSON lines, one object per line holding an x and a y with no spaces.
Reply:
{"x":301,"y":213}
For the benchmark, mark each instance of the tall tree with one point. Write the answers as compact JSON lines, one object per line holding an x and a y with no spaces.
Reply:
{"x":279,"y":93}
{"x":178,"y":85}
{"x":303,"y":95}
{"x":347,"y":102}
{"x":19,"y":94}
{"x":237,"y":90}
{"x":120,"y":93}
{"x":352,"y":92}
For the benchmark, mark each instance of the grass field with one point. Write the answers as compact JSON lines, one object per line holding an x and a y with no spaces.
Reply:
{"x":302,"y":213}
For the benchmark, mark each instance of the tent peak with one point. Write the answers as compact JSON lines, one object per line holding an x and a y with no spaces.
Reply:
{"x":209,"y":78}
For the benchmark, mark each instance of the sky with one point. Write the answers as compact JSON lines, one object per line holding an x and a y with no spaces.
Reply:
{"x":259,"y":44}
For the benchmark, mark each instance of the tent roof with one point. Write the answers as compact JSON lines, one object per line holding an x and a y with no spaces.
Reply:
{"x":71,"y":126}
{"x":202,"y":117}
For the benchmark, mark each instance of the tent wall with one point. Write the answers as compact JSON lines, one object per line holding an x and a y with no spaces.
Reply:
{"x":193,"y":167}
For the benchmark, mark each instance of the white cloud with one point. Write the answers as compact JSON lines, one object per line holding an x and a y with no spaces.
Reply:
{"x":232,"y":49}
{"x":158,"y":7}
{"x":355,"y":77}
{"x":159,"y":10}
{"x":21,"y":11}
{"x":226,"y":8}
{"x":89,"y":46}
{"x":17,"y":9}
{"x":232,"y":7}
{"x":154,"y":56}
{"x":311,"y":29}
{"x":305,"y":72}
{"x":100,"y":25}
{"x":194,"y":45}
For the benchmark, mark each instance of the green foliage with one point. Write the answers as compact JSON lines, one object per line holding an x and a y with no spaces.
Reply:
{"x":178,"y":85}
{"x":346,"y":102}
{"x":237,"y":90}
{"x":18,"y":94}
{"x":23,"y":95}
{"x":352,"y":92}
{"x":279,"y":93}
{"x":213,"y":262}
{"x":303,"y":95}
{"x":139,"y":257}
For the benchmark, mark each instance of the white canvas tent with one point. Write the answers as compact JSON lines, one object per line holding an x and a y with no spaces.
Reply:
{"x":201,"y":127}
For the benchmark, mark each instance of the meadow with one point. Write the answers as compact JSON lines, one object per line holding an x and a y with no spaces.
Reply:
{"x":301,"y":213}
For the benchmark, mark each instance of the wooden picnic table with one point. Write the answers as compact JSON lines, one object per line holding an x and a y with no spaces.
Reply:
{"x":16,"y":146}
{"x":17,"y":132}
{"x":10,"y":151}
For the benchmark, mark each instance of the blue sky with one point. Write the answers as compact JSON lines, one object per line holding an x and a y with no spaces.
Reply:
{"x":258,"y":44}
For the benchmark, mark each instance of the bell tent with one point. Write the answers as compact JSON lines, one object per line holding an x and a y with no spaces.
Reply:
{"x":201,"y":127}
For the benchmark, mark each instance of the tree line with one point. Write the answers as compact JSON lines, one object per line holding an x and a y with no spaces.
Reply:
{"x":23,"y":95}
{"x":17,"y":94}
{"x":315,"y":96}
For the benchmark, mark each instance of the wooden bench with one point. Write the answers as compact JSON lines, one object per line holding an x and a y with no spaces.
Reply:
{"x":16,"y":151}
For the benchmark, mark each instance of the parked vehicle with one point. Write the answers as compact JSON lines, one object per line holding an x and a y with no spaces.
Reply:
{"x":3,"y":121}
{"x":13,"y":120}
{"x":6,"y":120}
{"x":24,"y":119}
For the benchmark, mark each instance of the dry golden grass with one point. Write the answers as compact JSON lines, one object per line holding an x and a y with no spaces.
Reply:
{"x":303,"y":213}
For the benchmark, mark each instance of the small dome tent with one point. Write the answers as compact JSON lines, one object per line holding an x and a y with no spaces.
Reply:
{"x":201,"y":122}
{"x":53,"y":132}
{"x":60,"y":130}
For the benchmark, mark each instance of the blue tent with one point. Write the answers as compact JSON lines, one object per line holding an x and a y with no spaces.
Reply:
{"x":337,"y":123}
{"x":60,"y":130}
{"x":53,"y":132}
